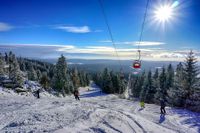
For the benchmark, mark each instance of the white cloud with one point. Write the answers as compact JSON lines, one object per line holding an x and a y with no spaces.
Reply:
{"x":75,"y":29}
{"x":96,"y":52}
{"x":147,"y":43}
{"x":71,"y":63}
{"x":100,"y":47}
{"x":142,"y":43}
{"x":5,"y":27}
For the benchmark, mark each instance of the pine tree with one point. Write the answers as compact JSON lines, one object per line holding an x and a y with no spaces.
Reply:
{"x":122,"y":84}
{"x":76,"y":79}
{"x":44,"y":81}
{"x":2,"y":65}
{"x":156,"y":79}
{"x":32,"y":75}
{"x":175,"y":93}
{"x":115,"y":81}
{"x":107,"y":84}
{"x":137,"y":84}
{"x":15,"y":74}
{"x":179,"y":73}
{"x":170,"y":77}
{"x":22,"y":66}
{"x":190,"y":78}
{"x":162,"y":90}
{"x":10,"y":59}
{"x":87,"y":79}
{"x":39,"y":74}
{"x":51,"y":72}
{"x":6,"y":58}
{"x":60,"y":76}
{"x":150,"y":90}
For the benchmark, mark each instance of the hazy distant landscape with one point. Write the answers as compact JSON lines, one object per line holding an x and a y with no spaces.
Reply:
{"x":99,"y":64}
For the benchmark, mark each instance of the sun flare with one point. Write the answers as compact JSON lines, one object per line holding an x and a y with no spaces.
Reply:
{"x":164,"y":13}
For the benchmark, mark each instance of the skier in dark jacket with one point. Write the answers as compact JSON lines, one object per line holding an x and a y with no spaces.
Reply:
{"x":38,"y":93}
{"x":162,"y":106}
{"x":76,"y":95}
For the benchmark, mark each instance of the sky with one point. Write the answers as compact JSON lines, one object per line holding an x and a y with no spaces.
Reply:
{"x":76,"y":28}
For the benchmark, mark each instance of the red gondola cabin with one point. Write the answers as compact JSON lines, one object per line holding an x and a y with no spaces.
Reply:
{"x":137,"y":64}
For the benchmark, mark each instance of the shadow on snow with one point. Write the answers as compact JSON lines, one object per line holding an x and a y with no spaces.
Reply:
{"x":93,"y":94}
{"x":192,"y":118}
{"x":162,"y":118}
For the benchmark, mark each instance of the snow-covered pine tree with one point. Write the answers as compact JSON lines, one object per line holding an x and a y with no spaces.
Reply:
{"x":121,"y":84}
{"x":70,"y":85}
{"x":23,"y":67}
{"x":51,"y":72}
{"x":191,"y":80}
{"x":194,"y":99}
{"x":32,"y":75}
{"x":6,"y":58}
{"x":150,"y":89}
{"x":156,"y":79}
{"x":76,"y":78}
{"x":39,"y":74}
{"x":107,"y":84}
{"x":87,"y":78}
{"x":22,"y":64}
{"x":97,"y":77}
{"x":44,"y":81}
{"x":15,"y":74}
{"x":169,"y":81}
{"x":81,"y":78}
{"x":60,"y":75}
{"x":175,"y":93}
{"x":133,"y":81}
{"x":162,"y":90}
{"x":115,"y":80}
{"x":137,"y":84}
{"x":170,"y":76}
{"x":2,"y":65}
{"x":10,"y":62}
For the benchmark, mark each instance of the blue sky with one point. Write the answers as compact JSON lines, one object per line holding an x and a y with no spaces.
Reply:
{"x":76,"y":28}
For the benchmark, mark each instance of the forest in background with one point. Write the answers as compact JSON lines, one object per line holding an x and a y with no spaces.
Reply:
{"x":179,"y":86}
{"x":14,"y":72}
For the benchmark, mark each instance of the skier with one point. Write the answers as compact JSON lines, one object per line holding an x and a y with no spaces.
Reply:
{"x":142,"y":105}
{"x":162,"y":106}
{"x":76,"y":95}
{"x":38,"y":93}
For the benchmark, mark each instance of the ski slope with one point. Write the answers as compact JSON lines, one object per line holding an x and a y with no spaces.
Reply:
{"x":95,"y":113}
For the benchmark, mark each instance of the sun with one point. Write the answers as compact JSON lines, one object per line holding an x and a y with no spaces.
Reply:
{"x":164,"y":13}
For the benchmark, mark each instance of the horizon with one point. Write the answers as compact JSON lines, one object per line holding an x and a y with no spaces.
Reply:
{"x":77,"y":29}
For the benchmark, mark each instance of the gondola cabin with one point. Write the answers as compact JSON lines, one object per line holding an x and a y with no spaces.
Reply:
{"x":137,"y":64}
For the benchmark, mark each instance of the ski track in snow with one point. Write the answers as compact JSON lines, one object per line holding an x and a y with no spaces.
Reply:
{"x":95,"y":113}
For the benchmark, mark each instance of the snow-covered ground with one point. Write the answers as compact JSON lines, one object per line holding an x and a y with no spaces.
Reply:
{"x":95,"y":112}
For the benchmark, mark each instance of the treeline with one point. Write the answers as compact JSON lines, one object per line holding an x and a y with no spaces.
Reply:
{"x":58,"y":76}
{"x":110,"y":82}
{"x":179,"y":86}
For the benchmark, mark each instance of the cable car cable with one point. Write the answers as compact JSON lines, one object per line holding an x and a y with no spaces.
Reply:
{"x":137,"y":63}
{"x":142,"y":28}
{"x":110,"y":33}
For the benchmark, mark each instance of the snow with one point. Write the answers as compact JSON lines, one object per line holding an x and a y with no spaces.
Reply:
{"x":95,"y":112}
{"x":33,"y":85}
